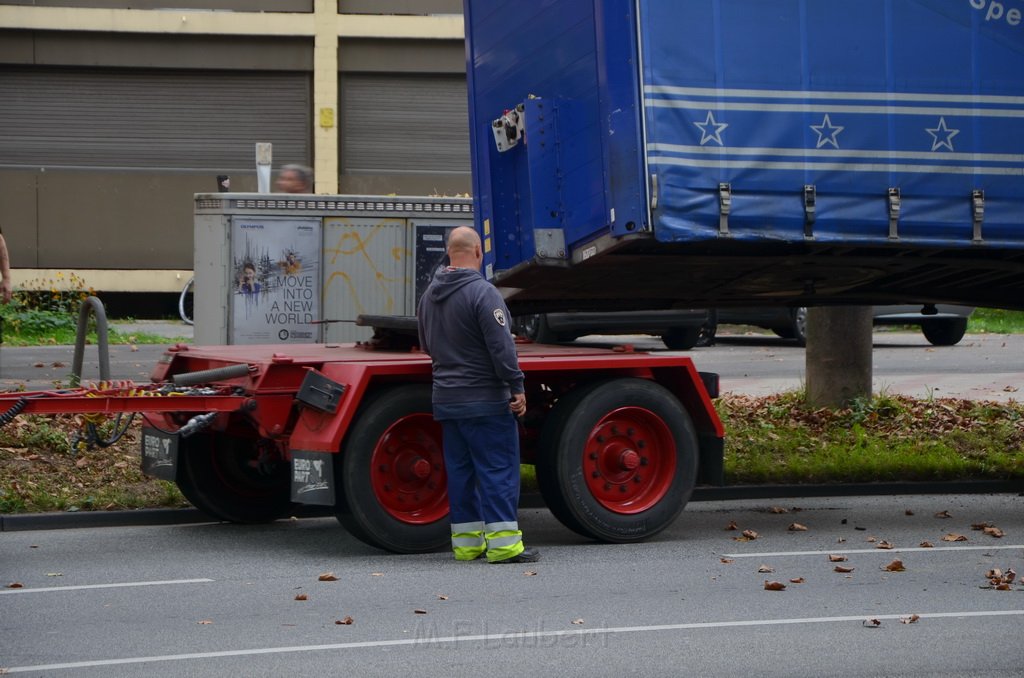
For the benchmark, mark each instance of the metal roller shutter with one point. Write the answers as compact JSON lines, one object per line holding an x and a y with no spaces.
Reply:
{"x":402,"y":124}
{"x":206,"y":120}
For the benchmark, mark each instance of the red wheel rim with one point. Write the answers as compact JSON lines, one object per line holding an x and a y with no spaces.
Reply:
{"x":629,"y":460}
{"x":407,"y":471}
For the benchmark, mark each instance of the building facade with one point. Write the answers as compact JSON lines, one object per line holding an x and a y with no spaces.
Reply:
{"x":113,"y":113}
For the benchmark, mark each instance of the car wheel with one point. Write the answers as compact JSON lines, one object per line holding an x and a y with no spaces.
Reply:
{"x":797,"y":328}
{"x":682,"y":338}
{"x":708,"y":330}
{"x":944,"y":332}
{"x":535,"y":328}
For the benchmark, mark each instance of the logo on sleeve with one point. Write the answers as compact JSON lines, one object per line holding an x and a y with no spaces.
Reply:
{"x":499,"y":315}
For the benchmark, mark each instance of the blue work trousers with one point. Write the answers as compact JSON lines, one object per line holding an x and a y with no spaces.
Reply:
{"x":481,"y":456}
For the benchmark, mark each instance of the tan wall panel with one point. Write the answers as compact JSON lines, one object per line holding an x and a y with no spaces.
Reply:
{"x":420,"y":7}
{"x":434,"y":184}
{"x":18,"y":216}
{"x":121,"y":220}
{"x":166,"y":51}
{"x":237,"y":5}
{"x":406,"y":56}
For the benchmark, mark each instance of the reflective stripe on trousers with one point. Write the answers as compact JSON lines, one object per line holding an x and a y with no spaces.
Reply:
{"x":504,"y":540}
{"x":468,"y":541}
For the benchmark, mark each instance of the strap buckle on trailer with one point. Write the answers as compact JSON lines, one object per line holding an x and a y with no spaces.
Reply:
{"x":894,"y":213}
{"x":810,"y":203}
{"x":724,"y":207}
{"x":978,"y":210}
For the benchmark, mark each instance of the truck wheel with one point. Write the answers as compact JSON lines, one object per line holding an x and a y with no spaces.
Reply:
{"x":234,"y":478}
{"x":535,"y":328}
{"x":944,"y":332}
{"x":618,"y":460}
{"x":391,"y":479}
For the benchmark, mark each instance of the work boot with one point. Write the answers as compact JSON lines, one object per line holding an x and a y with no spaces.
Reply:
{"x":529,"y":555}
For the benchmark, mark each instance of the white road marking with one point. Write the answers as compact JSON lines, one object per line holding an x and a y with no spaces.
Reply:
{"x":914,"y":549}
{"x":526,"y":635}
{"x":50,"y":589}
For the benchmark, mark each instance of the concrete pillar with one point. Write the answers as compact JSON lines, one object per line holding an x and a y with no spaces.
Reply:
{"x":325,"y":96}
{"x":838,"y":358}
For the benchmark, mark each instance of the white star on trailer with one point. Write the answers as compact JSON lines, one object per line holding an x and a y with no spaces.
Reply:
{"x":946,"y":133}
{"x":707,"y":135}
{"x":827,"y":132}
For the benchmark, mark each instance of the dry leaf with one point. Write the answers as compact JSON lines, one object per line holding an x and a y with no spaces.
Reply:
{"x":943,"y":514}
{"x":15,"y":585}
{"x":871,"y":540}
{"x":38,"y":364}
{"x":530,"y":573}
{"x":843,"y":569}
{"x":980,"y":526}
{"x":441,"y":596}
{"x":205,"y":622}
{"x":908,"y":512}
{"x":54,"y":574}
{"x":765,"y":569}
{"x":774,"y":586}
{"x":797,"y":527}
{"x":1002,"y":587}
{"x":912,"y":619}
{"x":778,"y":509}
{"x":726,"y":561}
{"x":993,"y":532}
{"x":301,"y":596}
{"x":895,"y":566}
{"x":872,"y":623}
{"x":883,"y":545}
{"x":954,"y":537}
{"x":796,"y":580}
{"x":347,"y":621}
{"x":419,"y":611}
{"x":82,"y":462}
{"x":732,"y":526}
{"x":327,"y":576}
{"x":994,"y":573}
{"x":376,"y":574}
{"x":577,"y":622}
{"x":926,"y":545}
{"x":836,"y":559}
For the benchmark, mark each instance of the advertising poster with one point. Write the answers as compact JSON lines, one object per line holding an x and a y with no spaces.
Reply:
{"x":275,"y":273}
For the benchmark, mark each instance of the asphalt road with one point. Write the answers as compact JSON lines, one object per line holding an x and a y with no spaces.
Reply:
{"x":219,"y":599}
{"x":982,"y":366}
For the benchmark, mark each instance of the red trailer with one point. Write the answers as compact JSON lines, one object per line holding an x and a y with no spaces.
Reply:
{"x":618,"y":438}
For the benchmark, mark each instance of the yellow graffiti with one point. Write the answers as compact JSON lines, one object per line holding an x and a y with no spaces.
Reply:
{"x":356,"y":244}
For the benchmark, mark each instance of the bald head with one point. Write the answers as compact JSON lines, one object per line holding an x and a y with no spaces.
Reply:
{"x":464,"y":248}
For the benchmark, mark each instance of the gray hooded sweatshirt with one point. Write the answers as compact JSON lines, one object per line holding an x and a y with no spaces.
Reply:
{"x":464,"y":327}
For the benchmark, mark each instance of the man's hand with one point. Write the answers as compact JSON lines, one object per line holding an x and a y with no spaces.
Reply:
{"x":518,"y":404}
{"x":5,"y":290}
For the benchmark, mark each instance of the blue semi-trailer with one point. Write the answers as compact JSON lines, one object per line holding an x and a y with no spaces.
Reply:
{"x":674,"y":153}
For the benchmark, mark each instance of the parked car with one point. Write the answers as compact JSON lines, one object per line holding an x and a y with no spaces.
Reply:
{"x":679,"y":329}
{"x":942,"y":324}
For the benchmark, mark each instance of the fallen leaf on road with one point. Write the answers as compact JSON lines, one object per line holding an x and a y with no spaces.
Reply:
{"x":419,"y":611}
{"x":347,"y":621}
{"x":883,"y":545}
{"x":726,"y":561}
{"x":980,"y":526}
{"x":943,"y":514}
{"x":205,"y":622}
{"x":54,"y":574}
{"x":912,"y":619}
{"x":38,"y":364}
{"x":797,"y":527}
{"x":15,"y":585}
{"x":926,"y":545}
{"x":778,"y":509}
{"x":764,"y":569}
{"x":843,"y":569}
{"x":993,"y":532}
{"x":327,"y":576}
{"x":530,"y":573}
{"x":837,"y":559}
{"x":301,"y":596}
{"x":732,"y":526}
{"x":376,"y":574}
{"x":774,"y":586}
{"x":750,"y":534}
{"x":871,"y":540}
{"x":441,"y":596}
{"x":872,"y":623}
{"x":895,"y":566}
{"x":577,"y":622}
{"x":908,"y":512}
{"x":954,"y":537}
{"x":796,"y":580}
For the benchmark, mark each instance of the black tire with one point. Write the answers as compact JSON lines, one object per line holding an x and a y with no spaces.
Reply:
{"x":593,"y":428}
{"x":234,"y":478}
{"x":944,"y":331}
{"x":382,"y":502}
{"x":682,"y":338}
{"x":535,"y":328}
{"x":709,"y":329}
{"x":797,"y":329}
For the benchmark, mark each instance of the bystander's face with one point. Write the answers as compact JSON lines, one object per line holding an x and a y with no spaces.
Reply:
{"x":289,"y":182}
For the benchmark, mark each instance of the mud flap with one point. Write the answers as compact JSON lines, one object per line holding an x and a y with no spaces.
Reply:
{"x":160,"y":454}
{"x":313,"y":478}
